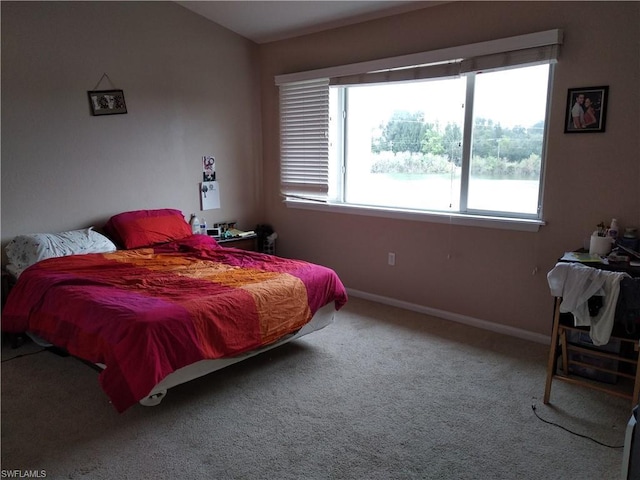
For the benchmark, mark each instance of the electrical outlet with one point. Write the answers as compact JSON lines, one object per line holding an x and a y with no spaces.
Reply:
{"x":392,"y":259}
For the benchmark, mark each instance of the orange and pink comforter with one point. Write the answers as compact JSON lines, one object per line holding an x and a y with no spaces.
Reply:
{"x":147,"y":312}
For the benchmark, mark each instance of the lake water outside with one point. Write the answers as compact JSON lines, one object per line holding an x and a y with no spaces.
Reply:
{"x":442,"y":192}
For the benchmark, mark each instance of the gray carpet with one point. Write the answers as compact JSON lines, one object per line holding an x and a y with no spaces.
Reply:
{"x":382,"y":393}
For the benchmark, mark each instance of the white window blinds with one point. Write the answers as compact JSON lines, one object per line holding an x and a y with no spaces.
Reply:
{"x":304,"y":142}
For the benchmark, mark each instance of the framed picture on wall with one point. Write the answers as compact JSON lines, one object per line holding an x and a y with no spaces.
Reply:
{"x":586,"y":109}
{"x":107,"y":102}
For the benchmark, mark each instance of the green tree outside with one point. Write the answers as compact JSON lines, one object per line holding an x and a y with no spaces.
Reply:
{"x":408,"y":145}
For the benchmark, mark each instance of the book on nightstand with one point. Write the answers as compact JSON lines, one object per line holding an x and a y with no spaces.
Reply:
{"x":583,"y":257}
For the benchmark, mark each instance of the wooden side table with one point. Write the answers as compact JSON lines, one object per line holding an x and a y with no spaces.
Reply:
{"x":599,"y":360}
{"x":249,"y":242}
{"x":562,"y":348}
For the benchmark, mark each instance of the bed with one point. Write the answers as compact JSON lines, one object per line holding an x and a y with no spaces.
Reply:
{"x":159,"y":305}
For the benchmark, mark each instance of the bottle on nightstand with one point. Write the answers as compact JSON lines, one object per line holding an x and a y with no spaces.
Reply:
{"x":195,"y":224}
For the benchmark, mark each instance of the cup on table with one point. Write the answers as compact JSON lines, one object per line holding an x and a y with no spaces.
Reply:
{"x":600,"y":245}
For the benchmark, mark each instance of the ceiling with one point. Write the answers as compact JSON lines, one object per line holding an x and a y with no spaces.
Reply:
{"x":268,"y":21}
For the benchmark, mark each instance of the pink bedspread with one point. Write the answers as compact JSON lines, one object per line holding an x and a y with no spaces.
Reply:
{"x":145,"y":313}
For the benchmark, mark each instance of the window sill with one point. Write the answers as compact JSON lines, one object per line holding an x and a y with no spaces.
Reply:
{"x":503,"y":223}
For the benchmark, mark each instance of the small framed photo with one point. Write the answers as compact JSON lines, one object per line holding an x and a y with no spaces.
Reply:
{"x":208,"y":169}
{"x":107,"y":102}
{"x":586,"y":109}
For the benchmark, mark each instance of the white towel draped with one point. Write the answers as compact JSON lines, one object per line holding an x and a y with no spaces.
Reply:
{"x":576,"y":283}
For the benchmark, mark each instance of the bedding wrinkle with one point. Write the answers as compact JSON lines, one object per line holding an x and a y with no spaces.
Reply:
{"x":282,"y":306}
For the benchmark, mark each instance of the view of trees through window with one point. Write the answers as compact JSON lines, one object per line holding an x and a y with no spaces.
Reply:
{"x":404,"y":142}
{"x":498,"y":152}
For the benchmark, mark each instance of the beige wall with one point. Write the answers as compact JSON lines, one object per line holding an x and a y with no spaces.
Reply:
{"x":191,"y":89}
{"x":480,"y":273}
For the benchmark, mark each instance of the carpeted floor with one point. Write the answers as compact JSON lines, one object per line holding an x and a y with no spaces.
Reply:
{"x":382,"y":393}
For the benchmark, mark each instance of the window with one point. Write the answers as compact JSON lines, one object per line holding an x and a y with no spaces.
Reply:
{"x":404,"y":144}
{"x":509,"y":112}
{"x":461,"y":135}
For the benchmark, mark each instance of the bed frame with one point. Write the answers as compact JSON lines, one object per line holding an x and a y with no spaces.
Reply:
{"x":321,"y":319}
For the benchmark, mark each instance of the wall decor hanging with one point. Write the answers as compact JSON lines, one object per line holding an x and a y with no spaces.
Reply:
{"x":209,"y":189}
{"x":106,"y":102}
{"x":586,"y":109}
{"x":209,"y":195}
{"x":208,"y":169}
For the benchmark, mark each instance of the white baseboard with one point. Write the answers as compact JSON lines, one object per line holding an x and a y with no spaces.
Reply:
{"x":456,"y":317}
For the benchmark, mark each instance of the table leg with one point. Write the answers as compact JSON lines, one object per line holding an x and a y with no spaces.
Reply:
{"x":553,"y":348}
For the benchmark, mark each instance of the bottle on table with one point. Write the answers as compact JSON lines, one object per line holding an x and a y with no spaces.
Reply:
{"x":613,"y":230}
{"x":195,"y":224}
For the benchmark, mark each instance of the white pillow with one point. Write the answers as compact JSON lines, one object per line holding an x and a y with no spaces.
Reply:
{"x":25,"y":250}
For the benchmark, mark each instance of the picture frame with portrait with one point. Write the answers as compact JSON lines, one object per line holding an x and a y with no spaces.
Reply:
{"x":586,"y":109}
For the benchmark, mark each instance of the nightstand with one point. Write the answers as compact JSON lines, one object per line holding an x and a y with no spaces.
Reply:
{"x":249,"y":242}
{"x":8,"y":281}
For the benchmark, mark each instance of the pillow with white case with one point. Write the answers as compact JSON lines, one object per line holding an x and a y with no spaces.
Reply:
{"x":25,"y":250}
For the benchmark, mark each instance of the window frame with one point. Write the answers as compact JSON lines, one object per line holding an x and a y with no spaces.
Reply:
{"x":487,"y":53}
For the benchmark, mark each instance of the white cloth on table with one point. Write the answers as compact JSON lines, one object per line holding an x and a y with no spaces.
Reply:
{"x":576,"y":283}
